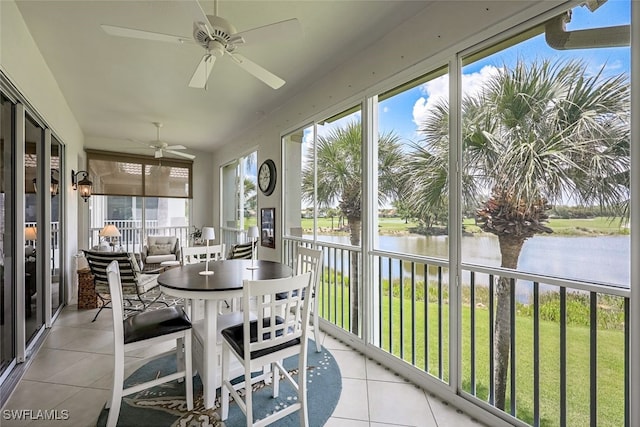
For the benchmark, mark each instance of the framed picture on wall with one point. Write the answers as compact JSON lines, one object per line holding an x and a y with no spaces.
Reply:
{"x":268,"y":227}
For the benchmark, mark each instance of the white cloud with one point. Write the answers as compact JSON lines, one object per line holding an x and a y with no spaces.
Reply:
{"x":438,"y":89}
{"x":607,"y":69}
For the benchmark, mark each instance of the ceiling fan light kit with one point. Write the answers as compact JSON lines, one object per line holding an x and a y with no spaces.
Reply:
{"x":219,"y":37}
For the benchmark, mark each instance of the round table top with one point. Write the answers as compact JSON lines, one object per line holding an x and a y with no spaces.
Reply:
{"x":227,"y":275}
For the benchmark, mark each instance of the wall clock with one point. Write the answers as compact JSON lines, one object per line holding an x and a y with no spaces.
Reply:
{"x":267,"y":177}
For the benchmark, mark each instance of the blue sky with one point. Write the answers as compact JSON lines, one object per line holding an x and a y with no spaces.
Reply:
{"x":402,"y":112}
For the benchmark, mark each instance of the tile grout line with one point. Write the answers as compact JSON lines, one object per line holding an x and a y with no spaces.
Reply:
{"x":426,"y":396}
{"x":366,"y":375}
{"x":64,"y":385}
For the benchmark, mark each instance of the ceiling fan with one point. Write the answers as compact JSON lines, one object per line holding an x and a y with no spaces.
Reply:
{"x":161,"y":147}
{"x":218,"y":37}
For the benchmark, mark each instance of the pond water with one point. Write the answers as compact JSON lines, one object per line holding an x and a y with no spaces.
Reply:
{"x":601,"y":259}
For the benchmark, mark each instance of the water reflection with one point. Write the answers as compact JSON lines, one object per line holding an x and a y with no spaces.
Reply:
{"x":602,"y":259}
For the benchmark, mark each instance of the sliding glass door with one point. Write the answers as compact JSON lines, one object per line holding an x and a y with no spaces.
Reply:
{"x":32,"y":281}
{"x":56,"y":242}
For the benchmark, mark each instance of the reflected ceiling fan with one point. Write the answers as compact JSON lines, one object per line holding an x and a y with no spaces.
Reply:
{"x":161,"y":147}
{"x":219,"y":37}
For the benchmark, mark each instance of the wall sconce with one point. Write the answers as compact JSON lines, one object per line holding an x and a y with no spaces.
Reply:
{"x":54,"y":183}
{"x":84,"y":185}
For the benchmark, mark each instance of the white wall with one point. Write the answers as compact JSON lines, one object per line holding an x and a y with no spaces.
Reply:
{"x":22,"y":63}
{"x":406,"y":52}
{"x":202,"y":206}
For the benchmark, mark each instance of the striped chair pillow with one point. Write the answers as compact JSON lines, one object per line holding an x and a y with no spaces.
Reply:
{"x":129,"y":270}
{"x":241,"y":251}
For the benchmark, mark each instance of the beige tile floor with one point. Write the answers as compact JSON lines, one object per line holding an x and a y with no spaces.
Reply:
{"x":72,"y":371}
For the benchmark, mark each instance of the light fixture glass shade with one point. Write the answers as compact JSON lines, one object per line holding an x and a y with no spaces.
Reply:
{"x":253,"y":232}
{"x":208,"y":233}
{"x":30,"y":233}
{"x":84,"y":185}
{"x":110,"y":230}
{"x":53,"y":188}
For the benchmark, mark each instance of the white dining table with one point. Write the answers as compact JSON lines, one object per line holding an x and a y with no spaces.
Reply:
{"x":224,"y":284}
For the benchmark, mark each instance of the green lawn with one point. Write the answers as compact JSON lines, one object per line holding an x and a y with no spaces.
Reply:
{"x":577,"y":227}
{"x":598,"y":225}
{"x":386,"y":225}
{"x":610,"y":359}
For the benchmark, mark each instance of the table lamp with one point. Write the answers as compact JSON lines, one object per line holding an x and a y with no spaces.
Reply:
{"x":252,"y":233}
{"x":110,"y":231}
{"x":208,"y":233}
{"x":30,"y":233}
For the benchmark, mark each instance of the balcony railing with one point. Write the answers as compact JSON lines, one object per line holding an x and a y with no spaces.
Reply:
{"x":569,"y":341}
{"x":132,"y":233}
{"x":333,"y":297}
{"x":569,"y":350}
{"x":55,"y":244}
{"x":232,"y":235}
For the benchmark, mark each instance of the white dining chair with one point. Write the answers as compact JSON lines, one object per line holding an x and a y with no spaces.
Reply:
{"x":311,"y":260}
{"x":140,"y":331}
{"x":196,"y":255}
{"x":268,"y":340}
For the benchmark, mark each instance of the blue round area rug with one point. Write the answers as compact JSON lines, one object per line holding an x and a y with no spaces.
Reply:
{"x":165,"y":405}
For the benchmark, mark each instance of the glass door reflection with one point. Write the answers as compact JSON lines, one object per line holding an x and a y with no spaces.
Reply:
{"x":34,"y":303}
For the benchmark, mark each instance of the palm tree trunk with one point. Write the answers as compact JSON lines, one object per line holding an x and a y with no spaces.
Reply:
{"x":510,"y":247}
{"x":354,"y":274}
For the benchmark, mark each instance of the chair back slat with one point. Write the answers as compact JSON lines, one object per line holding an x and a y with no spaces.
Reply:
{"x":310,"y":260}
{"x":197,"y":254}
{"x":113,"y":278}
{"x":273,"y":330}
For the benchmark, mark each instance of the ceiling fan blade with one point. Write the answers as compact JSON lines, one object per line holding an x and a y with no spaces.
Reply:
{"x":144,"y":35}
{"x":201,"y":75}
{"x":175,"y":147}
{"x":256,"y":70}
{"x":278,"y":30}
{"x":199,"y":15}
{"x":180,"y":153}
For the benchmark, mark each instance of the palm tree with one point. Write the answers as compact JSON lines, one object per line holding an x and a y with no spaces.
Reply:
{"x":250,"y":194}
{"x":339,"y":182}
{"x":536,"y":135}
{"x":331,"y":213}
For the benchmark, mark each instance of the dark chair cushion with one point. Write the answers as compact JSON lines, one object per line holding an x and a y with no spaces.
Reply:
{"x":234,"y":335}
{"x":284,"y":295}
{"x":155,"y":323}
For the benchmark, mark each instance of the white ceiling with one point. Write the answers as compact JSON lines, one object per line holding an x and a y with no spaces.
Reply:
{"x":116,"y":87}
